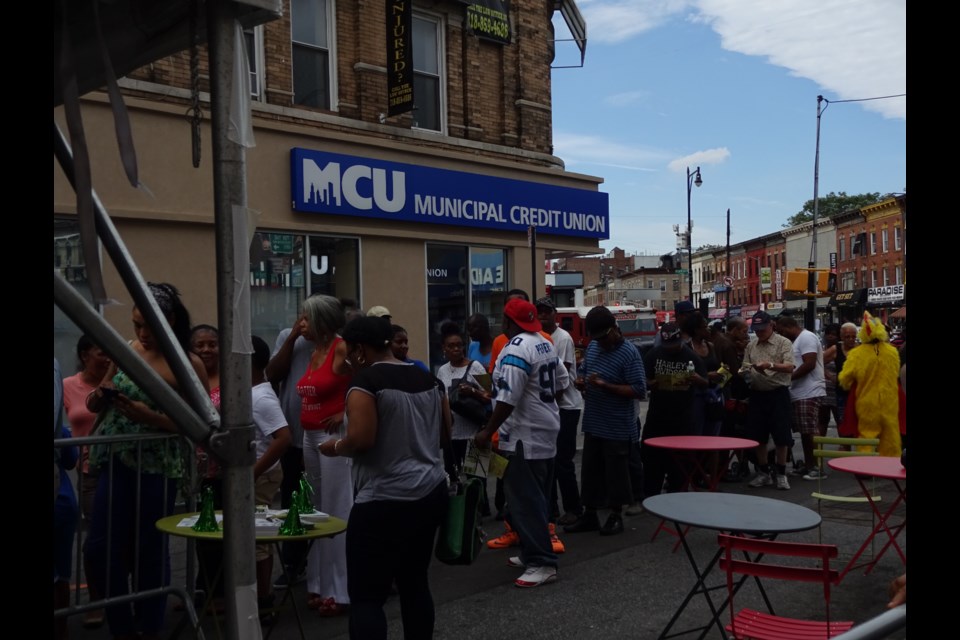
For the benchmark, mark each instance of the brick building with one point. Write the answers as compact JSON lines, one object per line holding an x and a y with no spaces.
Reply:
{"x":426,"y":212}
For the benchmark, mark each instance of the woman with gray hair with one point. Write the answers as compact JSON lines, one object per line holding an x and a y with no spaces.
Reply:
{"x":322,"y":389}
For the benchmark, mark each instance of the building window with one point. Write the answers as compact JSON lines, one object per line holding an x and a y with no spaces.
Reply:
{"x":253,"y":40}
{"x":676,"y":284}
{"x":873,"y":277}
{"x":428,"y":84}
{"x":451,"y":296}
{"x":285,"y":268}
{"x":886,"y":276}
{"x":312,"y":60}
{"x":853,"y":246}
{"x":898,"y":274}
{"x":897,"y":238}
{"x":873,"y":243}
{"x":884,"y":240}
{"x":663,"y":284}
{"x":843,"y":248}
{"x":863,"y":277}
{"x":650,"y":284}
{"x":848,"y":281}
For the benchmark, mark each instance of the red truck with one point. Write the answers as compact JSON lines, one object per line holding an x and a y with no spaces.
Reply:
{"x":637,"y":324}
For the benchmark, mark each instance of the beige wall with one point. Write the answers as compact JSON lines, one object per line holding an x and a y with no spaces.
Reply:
{"x":169,"y":229}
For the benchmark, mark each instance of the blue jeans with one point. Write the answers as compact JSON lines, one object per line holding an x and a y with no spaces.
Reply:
{"x":150,"y":561}
{"x":527,"y":484}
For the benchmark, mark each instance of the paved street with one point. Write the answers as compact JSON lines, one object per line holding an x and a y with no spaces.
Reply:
{"x":624,"y":586}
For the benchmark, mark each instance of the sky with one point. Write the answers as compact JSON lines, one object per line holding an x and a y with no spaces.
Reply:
{"x":730,"y":86}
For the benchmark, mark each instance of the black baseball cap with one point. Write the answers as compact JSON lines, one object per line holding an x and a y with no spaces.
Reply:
{"x":760,"y":320}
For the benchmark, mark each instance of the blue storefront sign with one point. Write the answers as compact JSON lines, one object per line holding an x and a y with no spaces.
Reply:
{"x":352,"y":186}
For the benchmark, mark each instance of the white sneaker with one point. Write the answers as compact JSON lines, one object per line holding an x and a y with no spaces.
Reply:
{"x":760,"y":480}
{"x":514,"y":561}
{"x":634,"y":509}
{"x":782,"y":482}
{"x":815,"y":474}
{"x":536,"y":576}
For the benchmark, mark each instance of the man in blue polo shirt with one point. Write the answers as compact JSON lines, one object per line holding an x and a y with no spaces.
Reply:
{"x":614,"y":379}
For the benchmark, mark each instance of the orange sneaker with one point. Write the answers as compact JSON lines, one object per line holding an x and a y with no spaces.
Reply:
{"x":510,"y":538}
{"x":558,"y":547}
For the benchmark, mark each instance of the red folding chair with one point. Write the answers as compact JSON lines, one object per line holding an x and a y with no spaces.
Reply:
{"x":756,"y":625}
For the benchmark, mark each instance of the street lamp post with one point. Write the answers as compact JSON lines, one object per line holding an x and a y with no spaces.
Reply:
{"x":692,"y":179}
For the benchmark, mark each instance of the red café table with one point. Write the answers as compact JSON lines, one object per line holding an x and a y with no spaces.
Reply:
{"x":686,"y":451}
{"x":876,"y":467}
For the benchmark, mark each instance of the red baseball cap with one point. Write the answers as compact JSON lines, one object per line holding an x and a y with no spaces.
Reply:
{"x":523,"y":313}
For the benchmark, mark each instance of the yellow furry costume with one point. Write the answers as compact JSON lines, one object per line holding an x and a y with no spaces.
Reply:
{"x":875,"y":368}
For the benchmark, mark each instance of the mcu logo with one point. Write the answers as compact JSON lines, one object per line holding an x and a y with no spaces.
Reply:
{"x":362,"y":187}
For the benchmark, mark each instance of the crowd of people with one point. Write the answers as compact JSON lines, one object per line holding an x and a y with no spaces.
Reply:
{"x":337,"y":401}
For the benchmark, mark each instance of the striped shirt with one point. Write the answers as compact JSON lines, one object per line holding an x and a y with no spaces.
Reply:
{"x":608,"y":415}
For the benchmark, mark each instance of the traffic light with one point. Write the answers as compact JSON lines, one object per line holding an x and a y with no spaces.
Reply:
{"x":798,"y":281}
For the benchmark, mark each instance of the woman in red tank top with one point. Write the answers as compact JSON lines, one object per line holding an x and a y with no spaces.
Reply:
{"x":322,"y":389}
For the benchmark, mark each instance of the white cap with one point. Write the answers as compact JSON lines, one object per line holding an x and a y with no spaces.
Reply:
{"x":380,"y":312}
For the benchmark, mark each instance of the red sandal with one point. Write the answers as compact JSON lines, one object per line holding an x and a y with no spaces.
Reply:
{"x":315,"y":601}
{"x":330,"y":608}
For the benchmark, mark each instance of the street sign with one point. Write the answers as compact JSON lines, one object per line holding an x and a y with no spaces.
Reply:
{"x":682,"y":272}
{"x":727,"y":281}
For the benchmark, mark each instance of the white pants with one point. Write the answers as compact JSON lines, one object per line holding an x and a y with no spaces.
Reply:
{"x":332,"y":494}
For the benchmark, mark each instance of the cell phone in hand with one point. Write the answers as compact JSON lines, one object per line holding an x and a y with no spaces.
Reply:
{"x":109,"y":392}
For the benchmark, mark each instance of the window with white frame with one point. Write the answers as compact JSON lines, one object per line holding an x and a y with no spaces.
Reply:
{"x":843,"y":248}
{"x":663,"y":284}
{"x":873,"y":277}
{"x":853,"y":245}
{"x":312,"y":33}
{"x":428,"y":73}
{"x":898,"y":274}
{"x":886,"y":276}
{"x":873,"y":243}
{"x":848,"y":281}
{"x":897,"y":238}
{"x":253,"y":40}
{"x":884,"y":240}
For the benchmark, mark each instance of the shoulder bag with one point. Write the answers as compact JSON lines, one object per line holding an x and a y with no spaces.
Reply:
{"x":468,"y":407}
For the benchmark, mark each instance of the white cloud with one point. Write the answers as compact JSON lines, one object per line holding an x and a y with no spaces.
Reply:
{"x":627,"y":98}
{"x":705,"y":157}
{"x":853,"y":49}
{"x":618,"y":20}
{"x":595,"y":150}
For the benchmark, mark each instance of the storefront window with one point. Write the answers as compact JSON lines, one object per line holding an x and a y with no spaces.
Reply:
{"x":455,"y":292}
{"x":68,"y":261}
{"x":285,"y":268}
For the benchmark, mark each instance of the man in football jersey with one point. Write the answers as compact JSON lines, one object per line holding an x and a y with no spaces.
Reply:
{"x":526,"y":377}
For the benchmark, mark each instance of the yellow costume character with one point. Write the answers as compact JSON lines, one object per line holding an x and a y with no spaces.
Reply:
{"x":874,"y":367}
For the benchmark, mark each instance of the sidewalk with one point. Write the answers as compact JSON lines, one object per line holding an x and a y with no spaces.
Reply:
{"x":624,"y":586}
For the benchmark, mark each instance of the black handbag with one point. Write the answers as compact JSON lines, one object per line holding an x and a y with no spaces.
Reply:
{"x":468,"y":407}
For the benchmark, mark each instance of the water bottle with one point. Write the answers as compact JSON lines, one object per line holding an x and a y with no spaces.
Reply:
{"x":690,"y":368}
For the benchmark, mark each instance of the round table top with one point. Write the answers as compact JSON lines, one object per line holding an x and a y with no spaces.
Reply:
{"x":877,"y":466}
{"x":700,"y":443}
{"x":735,"y":512}
{"x":325,"y":529}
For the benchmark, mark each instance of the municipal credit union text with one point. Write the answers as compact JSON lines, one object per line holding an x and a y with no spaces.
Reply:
{"x":480,"y":211}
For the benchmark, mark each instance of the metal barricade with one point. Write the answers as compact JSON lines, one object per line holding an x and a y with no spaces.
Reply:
{"x":184,"y":498}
